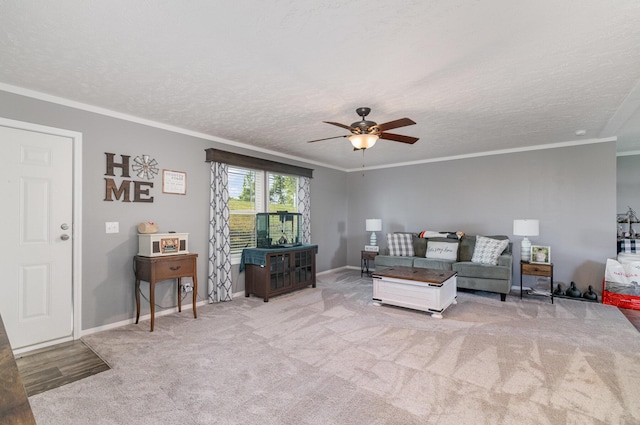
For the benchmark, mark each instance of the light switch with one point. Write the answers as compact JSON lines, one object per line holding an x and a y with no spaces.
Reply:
{"x":112,"y":227}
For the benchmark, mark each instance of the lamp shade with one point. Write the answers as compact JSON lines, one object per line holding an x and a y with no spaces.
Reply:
{"x":525,"y":227}
{"x":363,"y":141}
{"x":373,"y":225}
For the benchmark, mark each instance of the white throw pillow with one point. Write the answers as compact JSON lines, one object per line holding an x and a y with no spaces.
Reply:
{"x":400,"y":244}
{"x":488,"y":250}
{"x":442,"y":250}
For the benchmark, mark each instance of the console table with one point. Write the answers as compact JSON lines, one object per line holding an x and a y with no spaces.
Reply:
{"x":157,"y":269}
{"x":275,"y":271}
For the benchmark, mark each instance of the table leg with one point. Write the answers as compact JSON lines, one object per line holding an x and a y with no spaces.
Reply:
{"x":195,"y":293}
{"x":520,"y":280}
{"x":152,"y":298}
{"x":179,"y":297}
{"x":137,"y":301}
{"x":551,"y":284}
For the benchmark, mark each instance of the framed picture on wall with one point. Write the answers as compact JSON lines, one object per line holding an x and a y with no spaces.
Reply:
{"x":540,"y":254}
{"x":174,"y":182}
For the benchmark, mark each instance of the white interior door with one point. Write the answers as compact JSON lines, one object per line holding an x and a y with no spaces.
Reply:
{"x":36,"y":182}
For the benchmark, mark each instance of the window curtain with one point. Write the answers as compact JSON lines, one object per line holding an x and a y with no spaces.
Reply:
{"x":304,"y":207}
{"x":219,"y":285}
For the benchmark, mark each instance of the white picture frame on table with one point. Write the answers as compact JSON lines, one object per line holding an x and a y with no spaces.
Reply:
{"x":540,"y":254}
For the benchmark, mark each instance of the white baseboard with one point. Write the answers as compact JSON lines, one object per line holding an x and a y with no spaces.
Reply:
{"x":333,"y":270}
{"x":148,"y":316}
{"x":175,"y":309}
{"x":42,"y":345}
{"x":142,"y":318}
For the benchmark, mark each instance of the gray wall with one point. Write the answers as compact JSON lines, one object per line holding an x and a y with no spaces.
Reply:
{"x":629,"y":185}
{"x":108,"y":284}
{"x":571,"y":190}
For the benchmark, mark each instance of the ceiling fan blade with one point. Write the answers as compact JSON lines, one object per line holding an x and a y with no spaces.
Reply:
{"x":338,"y":124}
{"x":402,"y":122}
{"x":327,"y":138}
{"x":399,"y":138}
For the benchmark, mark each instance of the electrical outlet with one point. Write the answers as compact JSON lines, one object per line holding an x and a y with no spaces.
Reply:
{"x":187,"y":287}
{"x":112,"y":227}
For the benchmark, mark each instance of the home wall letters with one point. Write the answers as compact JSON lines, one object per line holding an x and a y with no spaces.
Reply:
{"x":112,"y":190}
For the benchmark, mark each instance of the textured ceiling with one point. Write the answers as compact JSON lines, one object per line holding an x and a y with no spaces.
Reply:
{"x":476,"y":76}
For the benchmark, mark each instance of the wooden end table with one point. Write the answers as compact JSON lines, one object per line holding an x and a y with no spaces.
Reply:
{"x":365,"y":258}
{"x":536,"y":269}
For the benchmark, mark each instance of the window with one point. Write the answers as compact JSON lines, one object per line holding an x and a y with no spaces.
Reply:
{"x":248,"y":196}
{"x":283,"y":193}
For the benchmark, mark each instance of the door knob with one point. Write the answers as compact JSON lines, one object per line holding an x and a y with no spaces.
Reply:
{"x":64,"y":237}
{"x":64,"y":226}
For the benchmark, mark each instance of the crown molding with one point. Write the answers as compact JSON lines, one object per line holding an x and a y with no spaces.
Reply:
{"x":628,"y":153}
{"x":150,"y":123}
{"x":127,"y":117}
{"x":489,"y":153}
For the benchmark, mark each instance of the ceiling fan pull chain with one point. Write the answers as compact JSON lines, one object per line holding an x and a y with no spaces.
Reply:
{"x":363,"y":161}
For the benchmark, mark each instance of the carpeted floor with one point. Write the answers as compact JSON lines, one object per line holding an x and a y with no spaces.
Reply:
{"x":328,"y":356}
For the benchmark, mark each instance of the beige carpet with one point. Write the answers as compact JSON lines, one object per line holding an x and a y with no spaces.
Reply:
{"x":328,"y":356}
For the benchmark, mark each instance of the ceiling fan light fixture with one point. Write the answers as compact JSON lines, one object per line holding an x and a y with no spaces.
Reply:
{"x":363,"y":141}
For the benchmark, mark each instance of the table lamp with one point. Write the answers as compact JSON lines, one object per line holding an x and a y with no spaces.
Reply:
{"x":525,"y":227}
{"x":373,"y":225}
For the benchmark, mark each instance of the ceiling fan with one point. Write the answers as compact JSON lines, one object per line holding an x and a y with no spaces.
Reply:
{"x":364,"y":134}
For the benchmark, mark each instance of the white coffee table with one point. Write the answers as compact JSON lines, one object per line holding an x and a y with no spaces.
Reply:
{"x":421,"y":289}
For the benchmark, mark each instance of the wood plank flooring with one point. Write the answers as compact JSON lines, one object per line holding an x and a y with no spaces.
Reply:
{"x":54,"y":366}
{"x":633,"y":316}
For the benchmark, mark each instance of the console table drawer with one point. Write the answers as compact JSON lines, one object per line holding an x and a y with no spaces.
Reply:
{"x":164,"y":268}
{"x":174,"y":269}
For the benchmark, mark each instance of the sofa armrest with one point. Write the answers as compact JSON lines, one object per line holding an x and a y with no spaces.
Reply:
{"x":506,"y":260}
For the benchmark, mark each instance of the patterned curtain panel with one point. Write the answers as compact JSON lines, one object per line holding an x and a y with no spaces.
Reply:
{"x":219,"y":281}
{"x":304,"y":207}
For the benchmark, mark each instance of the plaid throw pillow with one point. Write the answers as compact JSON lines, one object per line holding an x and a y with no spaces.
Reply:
{"x":400,"y":244}
{"x":629,"y":246}
{"x":488,"y":250}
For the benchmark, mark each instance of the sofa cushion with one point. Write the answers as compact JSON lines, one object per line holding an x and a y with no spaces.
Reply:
{"x":383,"y":261}
{"x":442,"y":250}
{"x":465,"y":251}
{"x":483,"y":271}
{"x":430,"y":263}
{"x":400,"y":244}
{"x":419,"y":246}
{"x":487,"y":250}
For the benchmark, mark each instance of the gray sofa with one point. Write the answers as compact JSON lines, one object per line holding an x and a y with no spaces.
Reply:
{"x":476,"y":276}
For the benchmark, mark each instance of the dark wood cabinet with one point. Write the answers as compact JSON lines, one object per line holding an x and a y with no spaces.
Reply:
{"x":283,"y":271}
